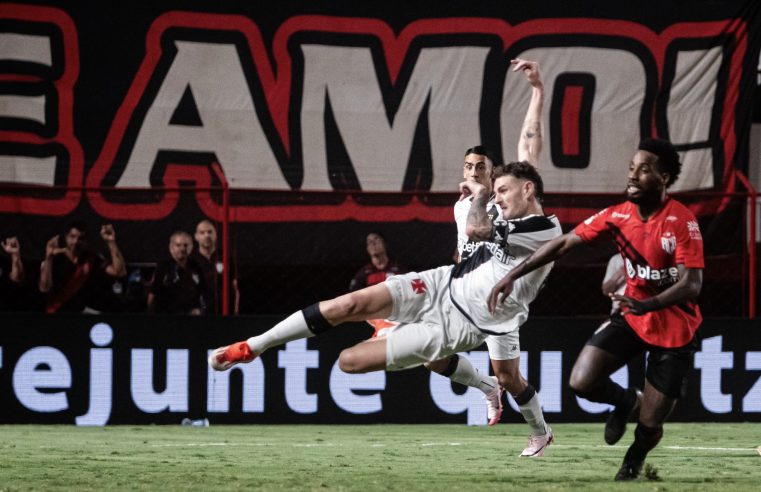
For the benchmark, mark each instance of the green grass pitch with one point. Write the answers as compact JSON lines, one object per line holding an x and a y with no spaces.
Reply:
{"x":367,"y":458}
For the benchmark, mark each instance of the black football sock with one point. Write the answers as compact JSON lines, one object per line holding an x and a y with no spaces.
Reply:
{"x":645,"y":439}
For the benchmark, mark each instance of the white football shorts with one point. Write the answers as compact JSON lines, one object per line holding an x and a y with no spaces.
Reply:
{"x":504,"y":347}
{"x":431,"y":327}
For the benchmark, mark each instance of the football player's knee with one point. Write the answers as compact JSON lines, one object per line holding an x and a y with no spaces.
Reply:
{"x":349,"y":361}
{"x":578,"y":382}
{"x":652,"y":417}
{"x":511,"y":381}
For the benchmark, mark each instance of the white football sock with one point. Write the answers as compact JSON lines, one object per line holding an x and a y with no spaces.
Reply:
{"x":532,"y":412}
{"x":468,"y":375}
{"x":291,"y":328}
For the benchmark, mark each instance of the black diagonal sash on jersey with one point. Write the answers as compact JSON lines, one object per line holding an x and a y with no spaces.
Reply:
{"x":625,"y":246}
{"x":629,"y":251}
{"x":502,"y":230}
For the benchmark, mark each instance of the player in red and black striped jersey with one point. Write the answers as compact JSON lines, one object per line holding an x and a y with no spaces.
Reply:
{"x":662,"y":248}
{"x":380,"y":266}
{"x":377,"y":270}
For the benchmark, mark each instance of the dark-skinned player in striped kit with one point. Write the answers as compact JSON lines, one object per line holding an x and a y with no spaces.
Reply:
{"x":660,"y":242}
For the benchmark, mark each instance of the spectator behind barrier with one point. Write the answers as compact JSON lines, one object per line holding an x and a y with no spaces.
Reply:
{"x":380,"y":266}
{"x":178,"y":285}
{"x":210,"y":260}
{"x":76,"y":279}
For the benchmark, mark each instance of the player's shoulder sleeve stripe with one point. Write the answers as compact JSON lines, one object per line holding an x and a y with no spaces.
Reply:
{"x":533,"y":231}
{"x":532,"y":224}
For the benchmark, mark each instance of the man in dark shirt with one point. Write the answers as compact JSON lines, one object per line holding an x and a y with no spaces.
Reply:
{"x":75,"y":278}
{"x":178,"y":285}
{"x":210,"y":260}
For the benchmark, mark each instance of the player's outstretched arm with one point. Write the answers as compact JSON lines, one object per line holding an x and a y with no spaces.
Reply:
{"x":530,"y":141}
{"x":686,"y":288}
{"x":549,"y":251}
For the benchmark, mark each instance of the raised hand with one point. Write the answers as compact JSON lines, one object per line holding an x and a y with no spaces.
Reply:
{"x":530,"y":69}
{"x":11,"y":246}
{"x":107,"y":233}
{"x":469,"y":187}
{"x":51,"y":248}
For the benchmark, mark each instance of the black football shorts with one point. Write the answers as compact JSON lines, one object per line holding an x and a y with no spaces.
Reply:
{"x":667,"y":368}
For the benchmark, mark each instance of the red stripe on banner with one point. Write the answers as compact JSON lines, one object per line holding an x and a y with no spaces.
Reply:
{"x":570,"y":119}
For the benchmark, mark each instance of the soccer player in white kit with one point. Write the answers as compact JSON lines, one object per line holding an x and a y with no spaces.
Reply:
{"x":504,"y":350}
{"x":443,"y":311}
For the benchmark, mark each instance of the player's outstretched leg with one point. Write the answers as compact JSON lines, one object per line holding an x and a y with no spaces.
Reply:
{"x":369,"y":303}
{"x":460,"y":370}
{"x":294,"y":327}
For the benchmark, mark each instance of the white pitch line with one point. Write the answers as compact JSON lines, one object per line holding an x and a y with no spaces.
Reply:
{"x":207,"y":444}
{"x":702,"y":448}
{"x":428,"y":444}
{"x":676,"y":448}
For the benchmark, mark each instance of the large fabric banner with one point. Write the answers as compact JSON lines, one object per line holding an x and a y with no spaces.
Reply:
{"x":329,"y":120}
{"x":374,"y":99}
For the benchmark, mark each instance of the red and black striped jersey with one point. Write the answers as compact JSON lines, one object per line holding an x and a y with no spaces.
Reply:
{"x":651,"y":250}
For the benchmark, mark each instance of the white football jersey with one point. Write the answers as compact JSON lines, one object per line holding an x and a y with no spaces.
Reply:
{"x":473,"y":279}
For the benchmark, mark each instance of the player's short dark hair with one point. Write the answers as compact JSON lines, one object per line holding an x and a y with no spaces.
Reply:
{"x":668,"y":159}
{"x":522,"y":170}
{"x":480,"y":150}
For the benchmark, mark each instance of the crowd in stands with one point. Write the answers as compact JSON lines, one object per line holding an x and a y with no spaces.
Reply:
{"x":74,"y":278}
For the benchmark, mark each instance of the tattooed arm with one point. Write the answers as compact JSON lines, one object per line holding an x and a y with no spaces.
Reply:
{"x":530,"y":142}
{"x":478,"y":226}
